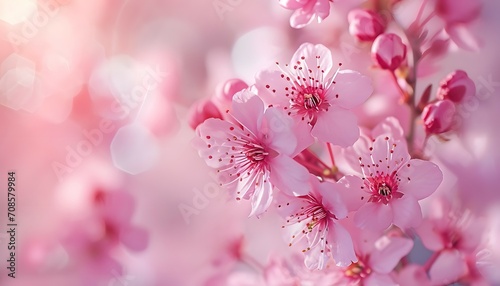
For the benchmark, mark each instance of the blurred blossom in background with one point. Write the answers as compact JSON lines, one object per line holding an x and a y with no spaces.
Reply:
{"x":99,"y":99}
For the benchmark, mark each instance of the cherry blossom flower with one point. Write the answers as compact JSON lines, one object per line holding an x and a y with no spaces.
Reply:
{"x":365,"y":25}
{"x":376,"y":260}
{"x":455,"y":236}
{"x":391,"y":186}
{"x":310,"y":95}
{"x":306,"y":11}
{"x":438,"y":116}
{"x":314,"y":219}
{"x":388,"y":51}
{"x":253,"y":155}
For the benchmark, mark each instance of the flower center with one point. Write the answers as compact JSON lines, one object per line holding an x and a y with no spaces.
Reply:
{"x":357,"y":270}
{"x":383,"y":188}
{"x":256,"y":153}
{"x":312,"y":101}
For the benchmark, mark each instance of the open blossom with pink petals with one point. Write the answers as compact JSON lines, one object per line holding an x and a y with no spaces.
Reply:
{"x":314,"y":97}
{"x":306,"y":11}
{"x":455,"y":236}
{"x":391,"y":186}
{"x":314,"y":217}
{"x":253,"y":155}
{"x":376,"y":260}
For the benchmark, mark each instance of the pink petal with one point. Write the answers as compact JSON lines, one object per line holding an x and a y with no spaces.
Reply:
{"x":310,"y":52}
{"x":464,"y":38}
{"x":322,"y":9}
{"x":337,"y":126}
{"x":375,"y":279}
{"x":268,"y":80}
{"x":430,"y":236}
{"x":213,"y":133}
{"x":388,"y":252}
{"x":331,"y":199}
{"x":373,"y":216}
{"x":289,"y":176}
{"x":352,"y":195}
{"x":382,"y":155}
{"x":292,"y":4}
{"x":276,"y":132}
{"x":315,"y":259}
{"x":341,"y":245}
{"x":388,"y":127}
{"x":248,"y":109}
{"x":304,"y":138}
{"x":406,"y":211}
{"x":135,"y":238}
{"x":413,"y":275}
{"x":262,"y":197}
{"x":448,"y":267}
{"x":302,"y":16}
{"x":419,"y":178}
{"x":352,"y":89}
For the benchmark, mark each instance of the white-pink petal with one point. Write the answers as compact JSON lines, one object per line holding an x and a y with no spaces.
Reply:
{"x":331,"y":199}
{"x":406,"y":212}
{"x":289,"y":176}
{"x":388,"y":252}
{"x":276,"y":132}
{"x":248,"y":109}
{"x":424,"y":178}
{"x":448,"y":267}
{"x":341,"y":245}
{"x":376,"y":279}
{"x":352,"y":89}
{"x":337,"y":126}
{"x":310,"y":52}
{"x":262,"y":197}
{"x":430,"y":236}
{"x":352,"y":195}
{"x":373,"y":216}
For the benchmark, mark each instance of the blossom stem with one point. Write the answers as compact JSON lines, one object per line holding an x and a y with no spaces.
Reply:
{"x":420,"y":11}
{"x":330,"y":151}
{"x":404,"y":95}
{"x":312,"y":154}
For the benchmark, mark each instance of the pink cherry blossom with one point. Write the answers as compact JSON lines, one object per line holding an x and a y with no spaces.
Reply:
{"x":201,"y":111}
{"x":455,"y":236}
{"x":254,"y":154}
{"x":391,"y":186}
{"x":457,"y":87}
{"x":438,"y":116}
{"x":388,"y":51}
{"x":314,"y":218}
{"x":306,"y":11}
{"x":307,"y":91}
{"x":365,"y":25}
{"x":376,"y":260}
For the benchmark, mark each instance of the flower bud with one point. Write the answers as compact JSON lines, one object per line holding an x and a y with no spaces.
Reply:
{"x":225,"y":92}
{"x":453,"y":12}
{"x":438,"y":116}
{"x":456,"y":86}
{"x":201,"y":111}
{"x":365,"y":25}
{"x":388,"y":51}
